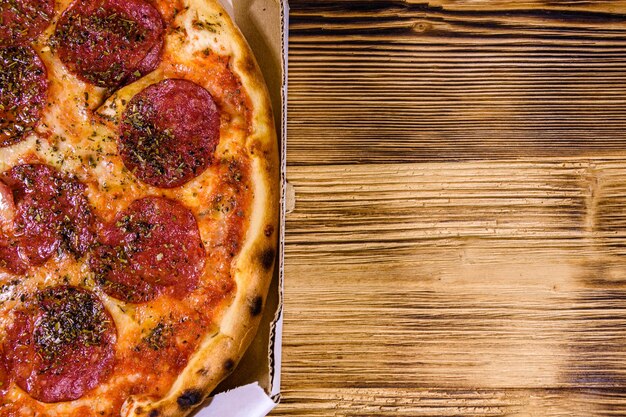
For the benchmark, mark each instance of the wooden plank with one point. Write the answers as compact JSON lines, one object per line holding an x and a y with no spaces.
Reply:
{"x":438,"y":403}
{"x":507,"y":277}
{"x":439,"y":285}
{"x":442,"y":80}
{"x":383,"y":212}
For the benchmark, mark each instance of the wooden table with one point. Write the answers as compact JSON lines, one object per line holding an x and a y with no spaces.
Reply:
{"x":458,"y":246}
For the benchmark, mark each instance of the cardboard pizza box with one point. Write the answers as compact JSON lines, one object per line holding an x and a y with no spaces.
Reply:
{"x":253,"y":389}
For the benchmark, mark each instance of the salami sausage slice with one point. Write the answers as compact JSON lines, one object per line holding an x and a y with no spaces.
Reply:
{"x":106,"y":42}
{"x":169,"y":132}
{"x":7,"y":208}
{"x":4,"y":378}
{"x":23,"y":20}
{"x":149,"y":64}
{"x":10,"y":258}
{"x":23,"y":91}
{"x":51,"y":213}
{"x":4,"y":375}
{"x":152,"y":245}
{"x":60,"y":344}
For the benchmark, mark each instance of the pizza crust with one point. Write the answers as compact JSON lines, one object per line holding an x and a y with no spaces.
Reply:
{"x":220,"y":352}
{"x":252,"y":269}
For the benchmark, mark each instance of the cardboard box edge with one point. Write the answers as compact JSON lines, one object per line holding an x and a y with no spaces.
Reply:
{"x":275,"y":347}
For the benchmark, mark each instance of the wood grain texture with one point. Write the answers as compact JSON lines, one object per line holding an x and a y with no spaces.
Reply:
{"x":502,"y":279}
{"x":458,"y":245}
{"x":376,"y":81}
{"x":458,"y":403}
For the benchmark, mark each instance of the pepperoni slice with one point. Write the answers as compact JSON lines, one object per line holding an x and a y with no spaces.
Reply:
{"x":152,"y":245}
{"x":169,"y":132}
{"x":149,"y":64}
{"x":23,"y":20}
{"x":7,"y":208}
{"x":23,"y":91}
{"x":61,"y":344}
{"x":4,"y":375}
{"x":10,"y":258}
{"x":51,"y":213}
{"x":105,"y":42}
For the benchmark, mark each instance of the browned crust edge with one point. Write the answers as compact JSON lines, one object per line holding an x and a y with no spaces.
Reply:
{"x":253,"y":268}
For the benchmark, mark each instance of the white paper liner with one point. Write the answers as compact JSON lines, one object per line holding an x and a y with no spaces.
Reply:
{"x":247,"y":401}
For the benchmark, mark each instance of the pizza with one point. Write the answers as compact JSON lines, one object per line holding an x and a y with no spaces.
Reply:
{"x":138,"y":205}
